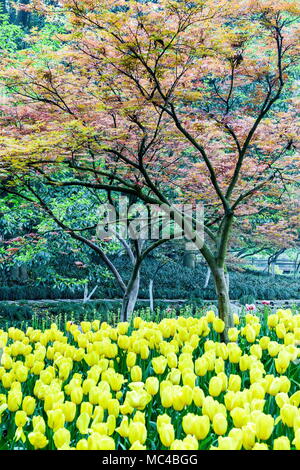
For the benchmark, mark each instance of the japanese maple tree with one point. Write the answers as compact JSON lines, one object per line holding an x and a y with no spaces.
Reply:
{"x":166,"y":101}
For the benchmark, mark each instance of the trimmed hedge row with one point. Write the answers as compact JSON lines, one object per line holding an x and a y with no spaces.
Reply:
{"x":172,"y":282}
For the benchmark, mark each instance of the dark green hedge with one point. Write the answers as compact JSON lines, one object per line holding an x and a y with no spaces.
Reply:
{"x":173,"y":281}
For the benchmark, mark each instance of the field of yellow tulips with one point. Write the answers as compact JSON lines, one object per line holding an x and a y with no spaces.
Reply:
{"x":149,"y":385}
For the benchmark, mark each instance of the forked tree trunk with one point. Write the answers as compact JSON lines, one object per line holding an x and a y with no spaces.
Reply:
{"x":223,"y":300}
{"x":130,"y":297}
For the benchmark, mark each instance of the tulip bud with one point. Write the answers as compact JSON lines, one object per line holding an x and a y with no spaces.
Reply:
{"x":240,"y":417}
{"x":198,"y":396}
{"x":233,"y":334}
{"x":166,"y":434}
{"x":215,"y":386}
{"x":288,"y":413}
{"x":201,"y":366}
{"x":137,"y":432}
{"x":264,"y":426}
{"x":130,"y":359}
{"x":136,"y":374}
{"x":159,"y":364}
{"x":296,"y":441}
{"x":219,"y":424}
{"x":20,"y":419}
{"x":28,"y":405}
{"x":61,"y":437}
{"x":281,"y":443}
{"x":234,"y":383}
{"x":123,"y":429}
{"x":82,"y":423}
{"x":218,"y":325}
{"x":248,"y":437}
{"x":152,"y":385}
{"x":77,"y":395}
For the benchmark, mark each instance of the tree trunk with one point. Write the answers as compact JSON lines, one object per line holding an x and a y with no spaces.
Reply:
{"x":223,"y":300}
{"x":207,"y":277}
{"x":130,"y":297}
{"x":227,"y":281}
{"x":151,"y":296}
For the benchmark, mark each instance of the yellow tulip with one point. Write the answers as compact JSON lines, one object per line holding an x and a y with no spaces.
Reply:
{"x":234,"y":383}
{"x":28,"y":405}
{"x":137,"y":446}
{"x":162,"y":419}
{"x":137,"y":432}
{"x":282,"y":362}
{"x":14,"y":400}
{"x":37,"y":439}
{"x":248,"y":436}
{"x":20,"y":419}
{"x":219,"y":424}
{"x":189,"y":442}
{"x":210,"y":316}
{"x":226,"y":443}
{"x":209,"y":407}
{"x":296,"y":440}
{"x":272,"y":320}
{"x":250,"y":334}
{"x":273,"y":348}
{"x":130,"y":359}
{"x":240,"y":417}
{"x":201,"y":366}
{"x":233,"y":334}
{"x":178,"y":400}
{"x":281,"y":443}
{"x":159,"y":364}
{"x":260,"y":446}
{"x":82,"y":444}
{"x":288,"y":413}
{"x":138,"y":399}
{"x":244,"y":362}
{"x":264,"y":342}
{"x":215,"y":386}
{"x":61,"y":437}
{"x":237,"y":437}
{"x":21,"y":373}
{"x":166,"y":434}
{"x":234,"y":353}
{"x":123,"y":429}
{"x":152,"y":385}
{"x":113,"y":407}
{"x":82,"y":423}
{"x":198,"y":396}
{"x":98,"y":441}
{"x":280,"y":330}
{"x":218,"y":325}
{"x":264,"y":426}
{"x":295,"y":399}
{"x":136,"y":374}
{"x":77,"y":395}
{"x":39,"y":424}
